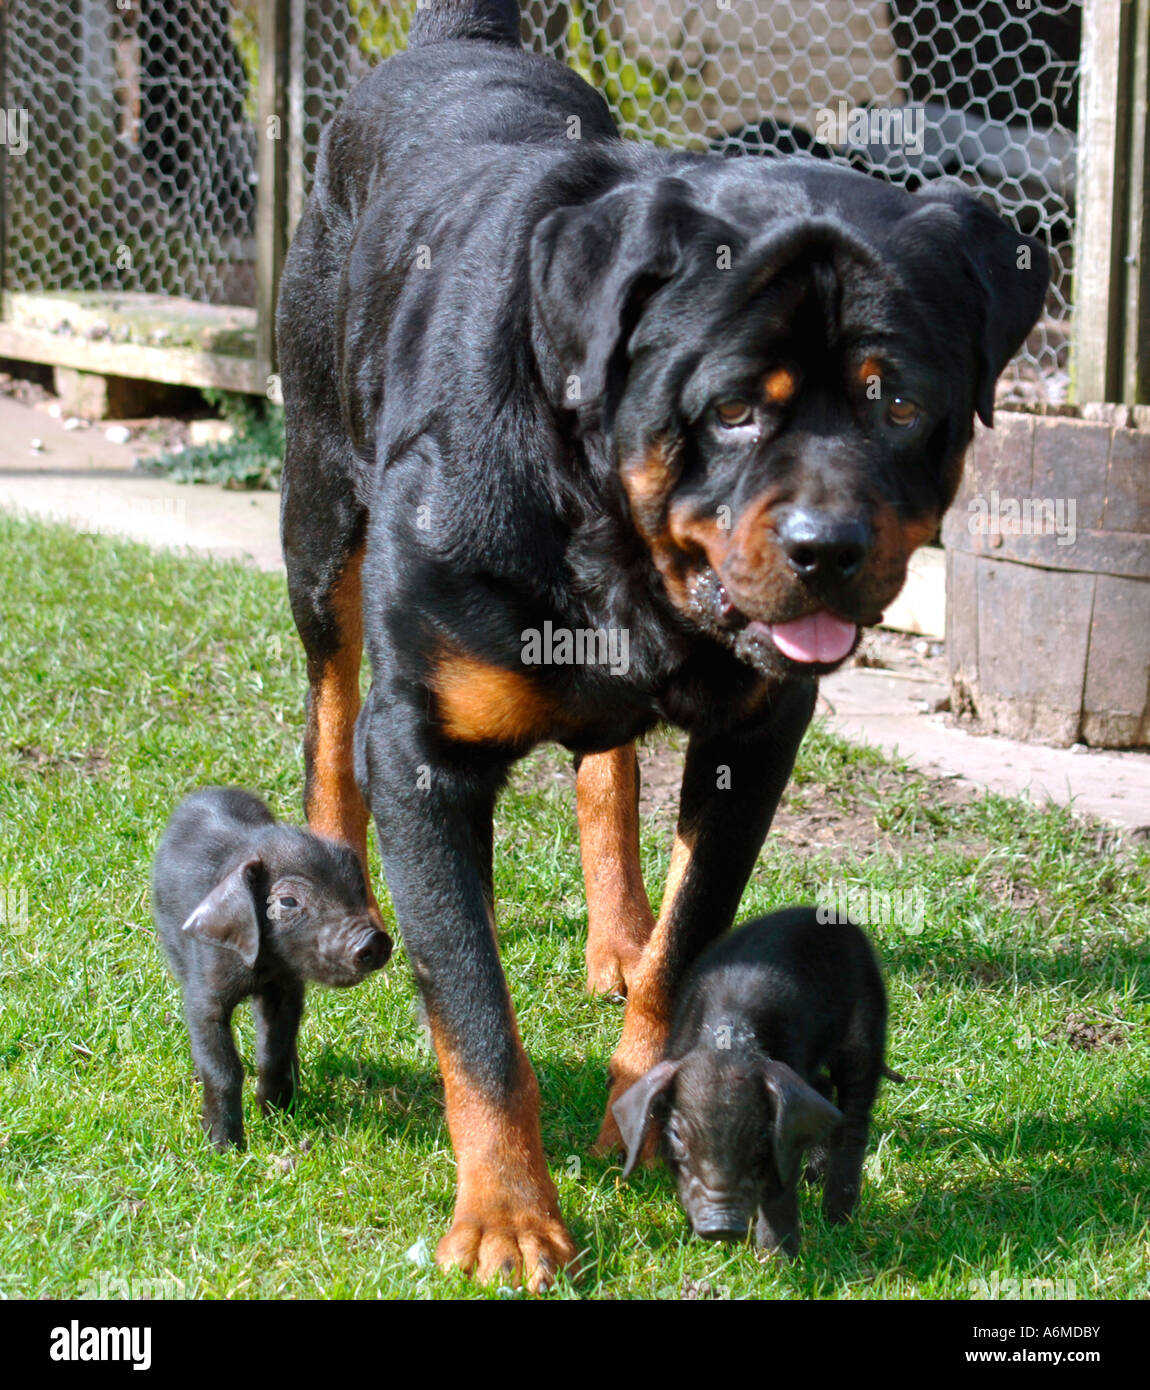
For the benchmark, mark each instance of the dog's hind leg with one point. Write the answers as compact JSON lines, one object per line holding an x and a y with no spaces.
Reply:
{"x":327,"y":606}
{"x":323,"y":527}
{"x":619,"y":917}
{"x":322,"y":524}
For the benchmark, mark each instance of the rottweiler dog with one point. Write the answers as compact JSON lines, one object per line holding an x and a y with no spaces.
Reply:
{"x":584,"y":436}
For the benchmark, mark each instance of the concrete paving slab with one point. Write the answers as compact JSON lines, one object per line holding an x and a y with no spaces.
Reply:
{"x":82,"y":478}
{"x":892,"y":711}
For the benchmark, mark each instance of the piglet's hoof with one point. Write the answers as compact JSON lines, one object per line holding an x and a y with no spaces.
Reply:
{"x":773,"y":1242}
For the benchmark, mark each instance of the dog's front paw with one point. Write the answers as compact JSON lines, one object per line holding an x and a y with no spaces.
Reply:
{"x":611,"y":965}
{"x":523,"y":1248}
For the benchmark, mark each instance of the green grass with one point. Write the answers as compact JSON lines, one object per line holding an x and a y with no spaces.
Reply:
{"x":129,"y":678}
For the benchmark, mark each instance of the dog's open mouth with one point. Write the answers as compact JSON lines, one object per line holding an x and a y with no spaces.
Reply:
{"x":816,"y":641}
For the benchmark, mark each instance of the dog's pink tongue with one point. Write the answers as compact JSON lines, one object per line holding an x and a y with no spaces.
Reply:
{"x":821,"y":637}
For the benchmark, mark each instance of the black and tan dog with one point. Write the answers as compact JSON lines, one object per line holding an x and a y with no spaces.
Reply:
{"x":548,"y":390}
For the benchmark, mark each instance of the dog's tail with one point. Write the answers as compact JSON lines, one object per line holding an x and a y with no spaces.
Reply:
{"x":436,"y":21}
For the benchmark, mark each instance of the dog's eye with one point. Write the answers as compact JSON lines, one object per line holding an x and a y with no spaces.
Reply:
{"x":288,"y":902}
{"x":732,"y":414}
{"x":902,"y":413}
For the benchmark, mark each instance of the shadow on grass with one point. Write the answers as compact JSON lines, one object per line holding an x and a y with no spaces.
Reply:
{"x":388,"y":1097}
{"x":1093,"y":961}
{"x":1068,"y":1197}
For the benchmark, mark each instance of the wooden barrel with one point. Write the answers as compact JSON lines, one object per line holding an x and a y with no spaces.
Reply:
{"x":1048,"y":578}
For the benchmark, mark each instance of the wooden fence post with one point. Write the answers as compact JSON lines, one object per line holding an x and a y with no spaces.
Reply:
{"x":1136,"y":346}
{"x":1111,"y":276}
{"x":271,"y":162}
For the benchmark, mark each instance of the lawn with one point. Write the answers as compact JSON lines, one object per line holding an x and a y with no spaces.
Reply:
{"x":1019,"y":1149}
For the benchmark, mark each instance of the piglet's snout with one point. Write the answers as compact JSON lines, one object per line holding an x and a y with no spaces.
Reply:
{"x":723,"y":1225}
{"x":354,"y":949}
{"x":372,"y":949}
{"x":716,"y":1214}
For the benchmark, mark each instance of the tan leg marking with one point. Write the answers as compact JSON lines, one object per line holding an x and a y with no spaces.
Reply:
{"x":507,"y":1225}
{"x":619,"y":916}
{"x":334,"y":806}
{"x":647,"y":1022}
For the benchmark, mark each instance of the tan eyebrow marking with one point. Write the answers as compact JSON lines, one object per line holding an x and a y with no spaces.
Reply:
{"x":870,"y":367}
{"x":780,"y":385}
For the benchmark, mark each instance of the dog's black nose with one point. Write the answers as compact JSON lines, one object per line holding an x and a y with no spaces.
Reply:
{"x":823,"y":547}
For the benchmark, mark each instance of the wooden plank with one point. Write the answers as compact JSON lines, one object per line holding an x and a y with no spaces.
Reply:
{"x":272,"y":192}
{"x":962,"y":617}
{"x":1116,"y":701}
{"x":297,"y":194}
{"x":126,"y":316}
{"x":4,"y":149}
{"x":1136,"y":338}
{"x":1033,"y":627}
{"x":180,"y":366}
{"x":1103,"y":148}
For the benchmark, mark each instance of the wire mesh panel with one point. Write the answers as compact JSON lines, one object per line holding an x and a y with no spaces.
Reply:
{"x":984,"y":91}
{"x":138,"y":168}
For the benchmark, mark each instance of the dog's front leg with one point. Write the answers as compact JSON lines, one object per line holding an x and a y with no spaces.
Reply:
{"x":434,"y":822}
{"x":731,"y":786}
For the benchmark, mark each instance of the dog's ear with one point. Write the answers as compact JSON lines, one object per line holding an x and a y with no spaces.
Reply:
{"x":802,"y":1116}
{"x":227,"y":916}
{"x":593,"y":265}
{"x":634,"y":1109}
{"x":1010,"y":274}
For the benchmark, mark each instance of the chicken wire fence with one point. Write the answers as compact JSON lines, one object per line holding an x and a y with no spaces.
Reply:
{"x":139,"y":167}
{"x":138,"y":171}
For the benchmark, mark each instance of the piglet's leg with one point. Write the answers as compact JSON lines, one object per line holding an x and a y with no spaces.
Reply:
{"x":847,"y":1149}
{"x":731,"y":786}
{"x":777,"y":1229}
{"x":220,"y":1071}
{"x":278,"y":1009}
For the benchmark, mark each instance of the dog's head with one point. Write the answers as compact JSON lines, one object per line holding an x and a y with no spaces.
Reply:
{"x":785,"y":360}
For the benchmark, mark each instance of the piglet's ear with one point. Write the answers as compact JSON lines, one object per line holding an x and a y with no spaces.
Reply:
{"x":634,"y":1108}
{"x":227,"y":916}
{"x":802,"y":1116}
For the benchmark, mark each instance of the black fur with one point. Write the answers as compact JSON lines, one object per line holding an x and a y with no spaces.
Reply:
{"x":775,"y":1022}
{"x":496,"y":21}
{"x":244,"y":907}
{"x":493,"y":312}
